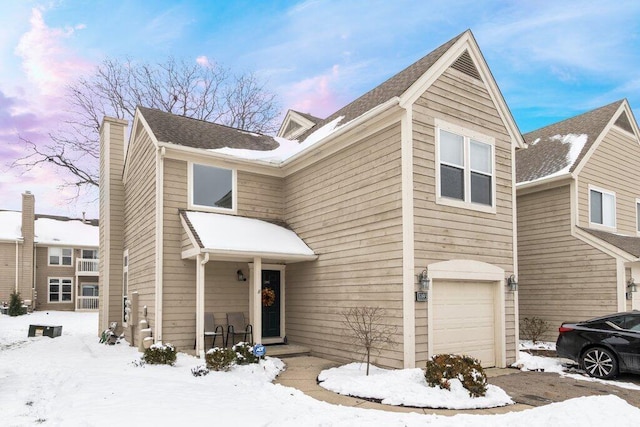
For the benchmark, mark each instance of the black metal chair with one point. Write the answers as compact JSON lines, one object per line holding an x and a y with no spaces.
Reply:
{"x":211,"y":330}
{"x":236,"y":325}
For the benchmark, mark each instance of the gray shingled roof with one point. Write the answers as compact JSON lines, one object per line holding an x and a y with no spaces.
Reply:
{"x":629,"y":244}
{"x":395,"y":86}
{"x":195,"y":133}
{"x":547,"y":155}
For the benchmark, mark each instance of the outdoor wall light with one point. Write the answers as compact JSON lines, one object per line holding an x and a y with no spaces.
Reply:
{"x":512,"y":283}
{"x":631,"y":287}
{"x":423,"y":280}
{"x":241,"y":277}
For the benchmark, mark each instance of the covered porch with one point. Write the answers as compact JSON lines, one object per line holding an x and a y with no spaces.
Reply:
{"x":253,"y":254}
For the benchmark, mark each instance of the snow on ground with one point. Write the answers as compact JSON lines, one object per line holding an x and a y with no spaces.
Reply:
{"x":406,"y":387}
{"x":73,"y":380}
{"x":538,"y":345}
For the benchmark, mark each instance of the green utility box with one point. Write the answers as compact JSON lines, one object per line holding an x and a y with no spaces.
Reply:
{"x":45,"y":331}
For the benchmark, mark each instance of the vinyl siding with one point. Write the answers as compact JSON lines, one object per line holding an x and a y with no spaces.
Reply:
{"x":140,"y":229}
{"x":44,"y":271}
{"x":561,"y":278}
{"x":260,"y":196}
{"x":443,"y":232}
{"x":8,"y":269}
{"x":609,"y":167}
{"x":347,"y":208}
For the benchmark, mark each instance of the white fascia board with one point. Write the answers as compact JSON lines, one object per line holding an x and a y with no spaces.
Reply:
{"x":218,"y":254}
{"x":138,"y":120}
{"x":544,"y":183}
{"x":603,"y":246}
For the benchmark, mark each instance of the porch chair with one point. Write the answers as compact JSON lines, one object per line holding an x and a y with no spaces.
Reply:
{"x":210,"y":330}
{"x":237,"y":326}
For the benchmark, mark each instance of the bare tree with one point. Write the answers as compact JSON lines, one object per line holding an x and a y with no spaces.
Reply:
{"x":368,"y":330}
{"x":202,"y":91}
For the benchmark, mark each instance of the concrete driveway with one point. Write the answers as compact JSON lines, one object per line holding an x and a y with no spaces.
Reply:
{"x":527,"y":389}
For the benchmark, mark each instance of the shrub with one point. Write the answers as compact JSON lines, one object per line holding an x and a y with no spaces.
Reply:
{"x":15,"y":305}
{"x":160,"y":354}
{"x":244,"y":354}
{"x":200,"y":371}
{"x":533,"y":328}
{"x":220,"y":359}
{"x":444,"y":367}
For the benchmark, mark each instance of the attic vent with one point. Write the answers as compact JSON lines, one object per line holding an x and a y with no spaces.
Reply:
{"x":292,"y":126}
{"x":623,"y":122}
{"x":465,"y":65}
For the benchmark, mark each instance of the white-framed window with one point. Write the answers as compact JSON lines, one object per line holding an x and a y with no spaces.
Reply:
{"x":90,"y":290}
{"x":60,"y":256}
{"x":602,"y":208}
{"x":125,"y":283}
{"x":465,"y":168}
{"x":60,"y":289}
{"x":212,"y":188}
{"x":89,"y":254}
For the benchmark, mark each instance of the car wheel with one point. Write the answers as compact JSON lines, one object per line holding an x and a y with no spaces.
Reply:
{"x":600,"y":363}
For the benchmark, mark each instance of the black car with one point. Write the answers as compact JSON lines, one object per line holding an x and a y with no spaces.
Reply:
{"x":604,"y":346}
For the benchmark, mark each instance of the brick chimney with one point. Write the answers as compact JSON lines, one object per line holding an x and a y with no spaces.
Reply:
{"x":25,"y":284}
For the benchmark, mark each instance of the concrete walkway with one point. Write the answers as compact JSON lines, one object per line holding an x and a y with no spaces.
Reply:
{"x":302,"y":371}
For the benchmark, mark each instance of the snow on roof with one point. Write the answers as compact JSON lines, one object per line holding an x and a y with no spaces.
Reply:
{"x":287,"y":148}
{"x":71,"y":233}
{"x":49,"y":231}
{"x":10,"y":225}
{"x":224,"y":233}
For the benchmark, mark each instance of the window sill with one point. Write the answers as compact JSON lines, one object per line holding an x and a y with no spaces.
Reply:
{"x":602,"y":227}
{"x":465,"y":205}
{"x":201,"y":208}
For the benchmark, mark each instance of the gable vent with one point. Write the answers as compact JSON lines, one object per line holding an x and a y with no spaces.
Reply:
{"x":465,"y":65}
{"x":623,"y":122}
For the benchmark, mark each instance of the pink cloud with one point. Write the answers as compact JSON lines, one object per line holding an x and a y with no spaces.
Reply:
{"x":315,"y":95}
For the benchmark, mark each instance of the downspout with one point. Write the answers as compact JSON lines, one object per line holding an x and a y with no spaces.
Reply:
{"x":160,"y":153}
{"x":200,"y":280}
{"x":17,"y":266}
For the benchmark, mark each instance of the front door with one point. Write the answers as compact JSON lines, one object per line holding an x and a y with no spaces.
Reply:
{"x":271,"y":298}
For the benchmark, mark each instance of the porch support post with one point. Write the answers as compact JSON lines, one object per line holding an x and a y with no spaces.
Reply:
{"x":201,"y":261}
{"x":255,"y":300}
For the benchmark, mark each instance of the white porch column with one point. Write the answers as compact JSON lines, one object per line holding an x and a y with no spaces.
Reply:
{"x":201,"y":261}
{"x":255,"y":300}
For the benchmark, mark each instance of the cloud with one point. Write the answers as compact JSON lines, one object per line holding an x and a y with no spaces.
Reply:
{"x":46,"y":60}
{"x":315,"y":95}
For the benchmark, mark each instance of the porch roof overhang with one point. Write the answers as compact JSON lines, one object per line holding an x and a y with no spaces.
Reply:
{"x":237,"y":238}
{"x":627,"y":246}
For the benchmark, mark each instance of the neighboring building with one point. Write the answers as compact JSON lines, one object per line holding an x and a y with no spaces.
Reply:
{"x":415,"y":175}
{"x":578,"y":217}
{"x":51,"y":260}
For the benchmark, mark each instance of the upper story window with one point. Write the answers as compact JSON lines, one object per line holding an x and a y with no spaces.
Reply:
{"x":465,"y":169}
{"x":212,"y":187}
{"x":60,"y":256}
{"x":602,"y":207}
{"x":89,"y":254}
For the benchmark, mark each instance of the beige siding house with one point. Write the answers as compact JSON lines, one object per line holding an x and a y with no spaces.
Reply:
{"x":50,"y":260}
{"x":578,"y":217}
{"x":403,"y":199}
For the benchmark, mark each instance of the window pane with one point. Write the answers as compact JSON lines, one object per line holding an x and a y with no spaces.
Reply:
{"x":596,"y":207}
{"x":480,"y":157}
{"x":212,"y":186}
{"x":451,"y":148}
{"x":481,"y":188}
{"x":451,"y":182}
{"x":54,"y":288}
{"x":54,"y":297}
{"x":608,"y":210}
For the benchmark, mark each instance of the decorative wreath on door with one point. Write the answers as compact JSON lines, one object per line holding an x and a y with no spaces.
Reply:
{"x":268,"y":297}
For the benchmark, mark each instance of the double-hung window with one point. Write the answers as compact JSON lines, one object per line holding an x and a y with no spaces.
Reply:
{"x":60,"y":256}
{"x":60,"y":289}
{"x":212,"y":188}
{"x":465,"y":168}
{"x":602,"y":207}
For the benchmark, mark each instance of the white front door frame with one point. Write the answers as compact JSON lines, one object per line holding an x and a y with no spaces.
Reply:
{"x":255,"y":301}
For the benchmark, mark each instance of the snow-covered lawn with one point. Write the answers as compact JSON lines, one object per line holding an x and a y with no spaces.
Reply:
{"x":73,"y":380}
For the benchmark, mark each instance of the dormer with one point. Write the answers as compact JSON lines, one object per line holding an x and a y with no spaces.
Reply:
{"x":295,"y":124}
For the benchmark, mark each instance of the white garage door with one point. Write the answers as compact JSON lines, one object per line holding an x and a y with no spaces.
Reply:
{"x":464,"y":319}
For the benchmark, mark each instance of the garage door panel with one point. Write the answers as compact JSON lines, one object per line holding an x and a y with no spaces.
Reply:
{"x":464,"y":319}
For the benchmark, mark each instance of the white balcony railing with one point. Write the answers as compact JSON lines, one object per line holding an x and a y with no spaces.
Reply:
{"x":87,"y":303}
{"x":86,"y":267}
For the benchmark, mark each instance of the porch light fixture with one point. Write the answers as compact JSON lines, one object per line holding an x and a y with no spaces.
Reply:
{"x":512,"y":283}
{"x":241,"y":277}
{"x":423,"y":280}
{"x":631,"y":287}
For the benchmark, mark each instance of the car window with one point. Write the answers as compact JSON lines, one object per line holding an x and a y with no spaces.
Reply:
{"x":602,"y":325}
{"x":632,"y":323}
{"x":619,"y":321}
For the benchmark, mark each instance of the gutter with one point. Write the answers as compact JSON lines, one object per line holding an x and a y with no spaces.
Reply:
{"x":551,"y":179}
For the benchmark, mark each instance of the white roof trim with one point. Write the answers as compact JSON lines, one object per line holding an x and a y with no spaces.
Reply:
{"x":233,"y":236}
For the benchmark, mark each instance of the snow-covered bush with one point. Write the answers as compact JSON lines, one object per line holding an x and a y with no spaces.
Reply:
{"x":244,"y":354}
{"x":200,"y":371}
{"x":160,"y":354}
{"x":442,"y":368}
{"x":220,"y":359}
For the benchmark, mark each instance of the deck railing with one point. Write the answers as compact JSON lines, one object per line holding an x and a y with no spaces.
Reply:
{"x":87,"y":303}
{"x":87,"y":267}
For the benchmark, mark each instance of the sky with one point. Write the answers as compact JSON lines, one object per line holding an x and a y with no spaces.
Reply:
{"x":551,"y":60}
